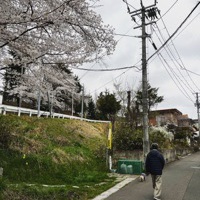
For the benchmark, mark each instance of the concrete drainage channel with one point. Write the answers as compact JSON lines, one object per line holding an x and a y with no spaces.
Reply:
{"x":122,"y":179}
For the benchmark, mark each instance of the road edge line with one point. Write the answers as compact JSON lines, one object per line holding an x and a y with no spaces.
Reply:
{"x":114,"y":189}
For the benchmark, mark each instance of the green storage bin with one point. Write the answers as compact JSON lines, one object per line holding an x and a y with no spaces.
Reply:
{"x":123,"y":168}
{"x":129,"y":167}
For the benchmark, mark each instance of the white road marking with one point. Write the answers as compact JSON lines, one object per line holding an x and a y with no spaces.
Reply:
{"x":114,"y":189}
{"x":195,"y":167}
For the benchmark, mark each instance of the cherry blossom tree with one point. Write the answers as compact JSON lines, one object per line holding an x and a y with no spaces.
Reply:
{"x":54,"y":81}
{"x":67,"y":31}
{"x":48,"y":33}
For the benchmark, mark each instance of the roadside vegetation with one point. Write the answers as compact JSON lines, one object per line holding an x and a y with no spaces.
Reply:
{"x":130,"y":138}
{"x":45,"y":158}
{"x":48,"y":158}
{"x":55,"y":159}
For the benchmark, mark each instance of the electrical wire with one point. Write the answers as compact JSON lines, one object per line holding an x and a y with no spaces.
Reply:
{"x":177,"y":78}
{"x":174,"y":76}
{"x":168,"y":10}
{"x":114,"y":78}
{"x":124,"y":35}
{"x":128,"y":4}
{"x":182,"y":65}
{"x":108,"y":82}
{"x":105,"y":70}
{"x":175,"y":62}
{"x":179,"y":86}
{"x":192,"y":72}
{"x":187,"y":25}
{"x":175,"y":31}
{"x":103,"y":55}
{"x":163,"y":46}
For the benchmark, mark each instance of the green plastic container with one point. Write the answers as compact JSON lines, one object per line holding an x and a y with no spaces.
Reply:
{"x":123,"y":168}
{"x":129,"y":167}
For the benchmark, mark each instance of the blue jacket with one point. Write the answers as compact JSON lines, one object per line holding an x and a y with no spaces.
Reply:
{"x":154,"y":162}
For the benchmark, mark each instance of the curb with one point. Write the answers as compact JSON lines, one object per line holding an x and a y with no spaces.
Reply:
{"x":114,"y":189}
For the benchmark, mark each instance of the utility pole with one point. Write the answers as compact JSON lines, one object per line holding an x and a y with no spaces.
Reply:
{"x":39,"y":101}
{"x":72,"y":102}
{"x":82,"y":104}
{"x":198,"y":114}
{"x":144,"y":88}
{"x":151,"y":13}
{"x":50,"y":101}
{"x":20,"y":95}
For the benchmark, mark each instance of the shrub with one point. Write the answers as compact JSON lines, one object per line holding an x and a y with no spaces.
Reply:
{"x":161,"y":136}
{"x":126,"y":138}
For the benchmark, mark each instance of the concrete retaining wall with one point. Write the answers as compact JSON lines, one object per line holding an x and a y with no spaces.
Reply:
{"x":169,"y":155}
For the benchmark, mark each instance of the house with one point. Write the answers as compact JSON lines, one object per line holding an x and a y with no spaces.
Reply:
{"x":180,"y":125}
{"x":185,"y":121}
{"x":164,"y":117}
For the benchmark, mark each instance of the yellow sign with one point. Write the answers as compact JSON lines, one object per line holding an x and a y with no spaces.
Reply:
{"x":110,"y":136}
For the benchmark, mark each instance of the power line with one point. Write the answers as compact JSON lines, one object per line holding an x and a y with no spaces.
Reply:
{"x":174,"y":60}
{"x":103,"y":70}
{"x":176,"y":77}
{"x":180,"y":88}
{"x":104,"y":55}
{"x":124,"y":35}
{"x":108,"y":82}
{"x":128,"y":4}
{"x":174,"y":31}
{"x":187,"y":25}
{"x":149,"y":58}
{"x":114,"y":78}
{"x":182,"y":65}
{"x":192,"y":72}
{"x":168,"y":9}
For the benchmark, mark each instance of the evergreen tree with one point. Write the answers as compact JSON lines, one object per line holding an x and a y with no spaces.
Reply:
{"x":78,"y":108}
{"x":153,"y":98}
{"x":107,"y":106}
{"x":91,"y":110}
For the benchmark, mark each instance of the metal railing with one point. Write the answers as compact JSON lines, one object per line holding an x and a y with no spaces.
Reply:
{"x":4,"y":109}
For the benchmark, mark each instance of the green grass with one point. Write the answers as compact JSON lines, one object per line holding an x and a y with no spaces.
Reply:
{"x":78,"y":191}
{"x":67,"y":154}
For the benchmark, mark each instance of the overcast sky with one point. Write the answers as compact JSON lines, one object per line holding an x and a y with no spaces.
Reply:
{"x":175,"y":71}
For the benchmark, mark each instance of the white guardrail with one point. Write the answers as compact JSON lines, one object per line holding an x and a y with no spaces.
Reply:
{"x":4,"y":109}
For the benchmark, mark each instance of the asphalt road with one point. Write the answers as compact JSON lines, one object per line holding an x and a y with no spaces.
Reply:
{"x":181,"y":181}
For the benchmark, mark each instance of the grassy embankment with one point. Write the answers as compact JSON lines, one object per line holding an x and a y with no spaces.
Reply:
{"x":52,"y":158}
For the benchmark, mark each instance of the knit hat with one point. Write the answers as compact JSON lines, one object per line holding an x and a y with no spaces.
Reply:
{"x":154,"y":146}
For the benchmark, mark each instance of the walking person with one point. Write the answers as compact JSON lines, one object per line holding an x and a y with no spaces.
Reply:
{"x":154,"y":165}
